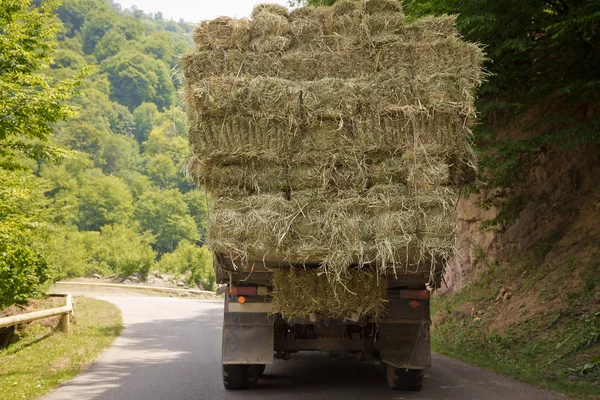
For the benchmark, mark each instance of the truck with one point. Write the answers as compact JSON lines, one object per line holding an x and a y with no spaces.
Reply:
{"x":253,"y":336}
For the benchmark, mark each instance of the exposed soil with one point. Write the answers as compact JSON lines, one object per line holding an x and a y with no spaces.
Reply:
{"x":34,"y":305}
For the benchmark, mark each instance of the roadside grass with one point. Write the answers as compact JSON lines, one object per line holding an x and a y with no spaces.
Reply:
{"x":547,"y":334}
{"x":43,"y":357}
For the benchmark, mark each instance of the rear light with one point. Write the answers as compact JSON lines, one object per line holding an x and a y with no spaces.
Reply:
{"x":414,"y":294}
{"x":414,"y":304}
{"x":241,"y":290}
{"x":241,"y":299}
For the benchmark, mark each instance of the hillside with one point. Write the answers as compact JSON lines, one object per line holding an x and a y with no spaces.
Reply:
{"x":100,"y":190}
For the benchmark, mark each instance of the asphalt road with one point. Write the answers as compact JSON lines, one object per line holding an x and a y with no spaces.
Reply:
{"x":170,"y":349}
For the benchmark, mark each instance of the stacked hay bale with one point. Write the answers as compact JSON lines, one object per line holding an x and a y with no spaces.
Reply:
{"x":335,"y":136}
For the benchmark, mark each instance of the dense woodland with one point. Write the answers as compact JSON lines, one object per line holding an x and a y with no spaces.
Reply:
{"x":92,"y":146}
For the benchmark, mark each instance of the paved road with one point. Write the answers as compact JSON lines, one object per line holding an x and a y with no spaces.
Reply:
{"x":170,"y":349}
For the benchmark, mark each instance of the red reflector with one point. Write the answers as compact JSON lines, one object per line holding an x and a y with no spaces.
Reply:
{"x":414,"y":294}
{"x":241,"y":290}
{"x":414,"y":304}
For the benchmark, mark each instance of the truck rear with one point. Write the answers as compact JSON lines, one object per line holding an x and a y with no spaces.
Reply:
{"x":254,"y":335}
{"x":333,"y":142}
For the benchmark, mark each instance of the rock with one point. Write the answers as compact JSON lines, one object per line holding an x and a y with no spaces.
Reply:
{"x":171,"y":295}
{"x":597,"y":296}
{"x":186,"y":287}
{"x":126,"y":281}
{"x":150,"y":280}
{"x":180,"y":283}
{"x":110,"y":277}
{"x":137,"y":275}
{"x":133,"y":278}
{"x":200,"y":287}
{"x":97,"y":276}
{"x":573,"y":378}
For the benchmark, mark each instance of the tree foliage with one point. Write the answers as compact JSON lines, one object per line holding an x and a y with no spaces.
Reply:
{"x":137,"y":78}
{"x":29,"y":100}
{"x":114,"y":204}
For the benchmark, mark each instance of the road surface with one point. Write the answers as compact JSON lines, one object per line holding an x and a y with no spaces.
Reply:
{"x":170,"y":349}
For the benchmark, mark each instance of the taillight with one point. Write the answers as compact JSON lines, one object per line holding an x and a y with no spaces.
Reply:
{"x":241,"y":290}
{"x":414,"y":294}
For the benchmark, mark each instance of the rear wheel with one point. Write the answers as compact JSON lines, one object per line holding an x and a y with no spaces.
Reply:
{"x":404,"y":379}
{"x":240,"y":376}
{"x":258,"y":369}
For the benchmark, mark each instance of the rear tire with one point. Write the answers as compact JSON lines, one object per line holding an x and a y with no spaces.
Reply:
{"x":258,"y":369}
{"x":240,"y":376}
{"x":404,"y":379}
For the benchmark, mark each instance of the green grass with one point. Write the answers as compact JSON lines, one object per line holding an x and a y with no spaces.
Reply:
{"x":547,"y":347}
{"x":43,"y":357}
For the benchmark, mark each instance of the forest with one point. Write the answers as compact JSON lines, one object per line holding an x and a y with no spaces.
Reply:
{"x":93,"y":141}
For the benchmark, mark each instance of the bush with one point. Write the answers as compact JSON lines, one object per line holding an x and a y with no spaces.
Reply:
{"x":189,"y":257}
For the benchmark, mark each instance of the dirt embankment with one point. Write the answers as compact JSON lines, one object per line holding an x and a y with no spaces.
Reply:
{"x":524,"y":299}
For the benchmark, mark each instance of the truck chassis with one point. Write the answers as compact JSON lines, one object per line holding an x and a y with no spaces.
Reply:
{"x":253,"y":337}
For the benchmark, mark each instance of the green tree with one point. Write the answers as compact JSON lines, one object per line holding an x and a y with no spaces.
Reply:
{"x":160,"y":46}
{"x":29,"y":103}
{"x":24,"y":270}
{"x":163,"y":172}
{"x":198,"y":201}
{"x":166,"y":215}
{"x":94,"y":29}
{"x":137,"y":78}
{"x":124,"y":251}
{"x":73,"y":13}
{"x":103,"y":200}
{"x":73,"y":253}
{"x":192,"y":261}
{"x":144,"y":118}
{"x":110,"y":44}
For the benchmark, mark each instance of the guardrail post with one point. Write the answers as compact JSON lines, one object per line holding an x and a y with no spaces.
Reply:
{"x":65,"y":323}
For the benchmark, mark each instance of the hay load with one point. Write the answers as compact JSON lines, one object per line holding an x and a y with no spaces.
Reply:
{"x":333,"y":136}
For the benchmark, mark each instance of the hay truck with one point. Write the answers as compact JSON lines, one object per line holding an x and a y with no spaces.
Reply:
{"x":333,"y":142}
{"x":253,"y":337}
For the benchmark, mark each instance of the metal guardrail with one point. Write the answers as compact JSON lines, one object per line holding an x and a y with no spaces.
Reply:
{"x":66,"y":312}
{"x":165,"y":289}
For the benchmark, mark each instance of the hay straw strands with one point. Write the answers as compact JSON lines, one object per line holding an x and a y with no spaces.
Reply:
{"x":238,"y":138}
{"x":308,"y":102}
{"x":384,"y":227}
{"x":222,"y":33}
{"x":439,"y":57}
{"x":298,"y":293}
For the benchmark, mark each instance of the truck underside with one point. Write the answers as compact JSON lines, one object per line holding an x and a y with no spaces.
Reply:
{"x":254,"y":337}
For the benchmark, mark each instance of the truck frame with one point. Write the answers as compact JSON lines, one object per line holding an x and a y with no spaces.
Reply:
{"x":254,"y":337}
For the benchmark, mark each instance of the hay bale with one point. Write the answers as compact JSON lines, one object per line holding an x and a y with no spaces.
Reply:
{"x":276,"y":9}
{"x":222,"y":33}
{"x":445,"y":56}
{"x":383,"y":6}
{"x":358,"y":294}
{"x":268,"y":24}
{"x":333,"y":135}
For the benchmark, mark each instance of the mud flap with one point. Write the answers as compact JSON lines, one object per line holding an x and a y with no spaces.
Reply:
{"x":248,"y":338}
{"x":406,"y":346}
